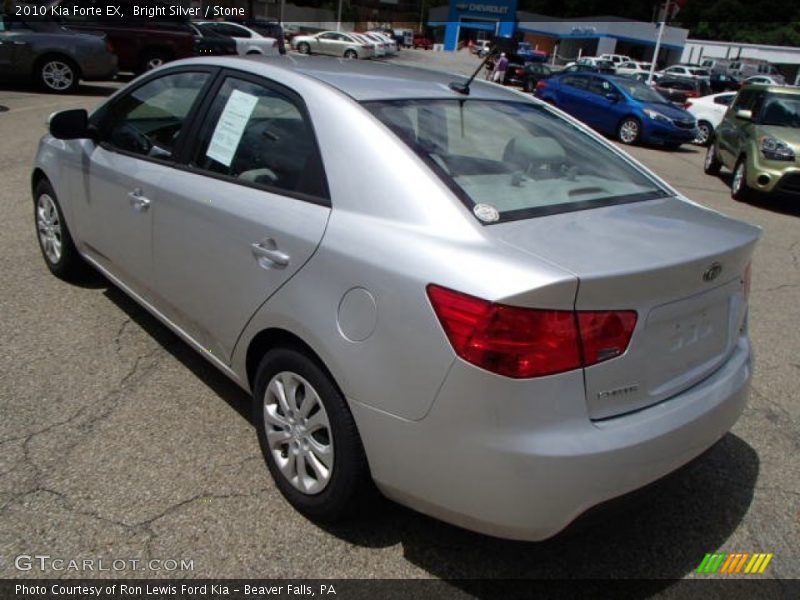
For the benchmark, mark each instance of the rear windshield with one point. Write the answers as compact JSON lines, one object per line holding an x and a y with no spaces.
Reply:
{"x":518,"y":158}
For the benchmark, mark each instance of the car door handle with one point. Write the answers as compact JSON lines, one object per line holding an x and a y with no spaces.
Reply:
{"x":138,"y":201}
{"x":268,"y":254}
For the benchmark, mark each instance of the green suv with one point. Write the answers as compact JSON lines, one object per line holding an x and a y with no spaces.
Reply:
{"x":759,"y":140}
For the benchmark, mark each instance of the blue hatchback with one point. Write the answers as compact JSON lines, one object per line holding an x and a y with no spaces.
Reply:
{"x":625,"y":108}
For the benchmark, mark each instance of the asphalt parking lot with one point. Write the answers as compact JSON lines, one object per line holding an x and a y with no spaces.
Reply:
{"x":117,"y":441}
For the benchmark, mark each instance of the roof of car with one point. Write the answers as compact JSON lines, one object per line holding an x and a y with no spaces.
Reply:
{"x":774,"y":88}
{"x":369,"y":80}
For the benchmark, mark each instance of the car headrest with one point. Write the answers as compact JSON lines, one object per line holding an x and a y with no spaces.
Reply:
{"x":526,"y":151}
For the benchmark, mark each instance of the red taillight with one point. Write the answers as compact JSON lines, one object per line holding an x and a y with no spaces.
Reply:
{"x":541,"y":84}
{"x":524,"y":342}
{"x":687,"y":105}
{"x":605,"y":334}
{"x":519,"y":72}
{"x":692,"y":94}
{"x":109,"y":47}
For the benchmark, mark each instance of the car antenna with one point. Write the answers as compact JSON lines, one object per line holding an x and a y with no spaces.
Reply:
{"x":463,"y":88}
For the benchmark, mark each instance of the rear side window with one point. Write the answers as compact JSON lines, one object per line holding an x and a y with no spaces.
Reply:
{"x":575,"y":82}
{"x":724,"y":100}
{"x":261,"y":136}
{"x":513,"y":160}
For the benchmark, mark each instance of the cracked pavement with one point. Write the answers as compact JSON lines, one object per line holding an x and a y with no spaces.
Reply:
{"x":118,"y":441}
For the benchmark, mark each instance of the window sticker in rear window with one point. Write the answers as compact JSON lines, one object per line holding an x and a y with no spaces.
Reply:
{"x":230,"y":127}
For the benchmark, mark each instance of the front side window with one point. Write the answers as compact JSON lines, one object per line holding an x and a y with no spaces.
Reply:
{"x":744,"y":101}
{"x":519,"y":158}
{"x":600,"y":86}
{"x":149,"y":119}
{"x":260,"y":136}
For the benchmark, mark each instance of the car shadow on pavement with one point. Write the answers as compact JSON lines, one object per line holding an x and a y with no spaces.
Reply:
{"x":223,"y":387}
{"x":84,"y":89}
{"x":781,"y":204}
{"x":659,"y":533}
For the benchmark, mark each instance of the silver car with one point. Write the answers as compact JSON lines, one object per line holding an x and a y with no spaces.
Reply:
{"x":470,"y":300}
{"x":334,"y":43}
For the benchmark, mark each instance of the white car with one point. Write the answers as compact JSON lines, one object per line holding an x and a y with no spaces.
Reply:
{"x":633,"y":68}
{"x":685,"y":71}
{"x":389,"y":46}
{"x":247,"y":40}
{"x":764,"y":80}
{"x":378,"y":49}
{"x":617,"y":59}
{"x":709,"y":111}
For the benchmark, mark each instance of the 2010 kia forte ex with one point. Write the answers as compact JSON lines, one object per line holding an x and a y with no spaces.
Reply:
{"x":456,"y":292}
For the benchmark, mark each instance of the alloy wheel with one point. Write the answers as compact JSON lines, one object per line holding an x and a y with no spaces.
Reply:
{"x":703,"y":134}
{"x":629,"y":131}
{"x":154,"y":62}
{"x":298,"y":432}
{"x":49,"y":227}
{"x":58,"y":75}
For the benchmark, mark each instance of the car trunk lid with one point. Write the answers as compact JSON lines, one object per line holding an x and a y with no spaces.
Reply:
{"x":679,"y":266}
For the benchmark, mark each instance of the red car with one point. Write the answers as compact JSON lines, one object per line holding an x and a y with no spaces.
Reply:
{"x":140,"y":43}
{"x":423,"y":42}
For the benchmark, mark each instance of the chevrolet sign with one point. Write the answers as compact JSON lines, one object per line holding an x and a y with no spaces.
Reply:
{"x":484,"y":8}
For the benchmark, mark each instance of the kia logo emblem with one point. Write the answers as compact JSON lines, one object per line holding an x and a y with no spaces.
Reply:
{"x":712,"y":272}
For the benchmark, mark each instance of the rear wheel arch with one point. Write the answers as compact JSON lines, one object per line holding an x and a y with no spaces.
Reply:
{"x":276,"y":337}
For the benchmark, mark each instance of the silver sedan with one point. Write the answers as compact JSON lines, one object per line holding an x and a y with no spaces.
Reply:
{"x":469,"y":301}
{"x":334,"y":43}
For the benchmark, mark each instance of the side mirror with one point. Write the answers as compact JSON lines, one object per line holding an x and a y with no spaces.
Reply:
{"x":747,"y":115}
{"x":70,"y":124}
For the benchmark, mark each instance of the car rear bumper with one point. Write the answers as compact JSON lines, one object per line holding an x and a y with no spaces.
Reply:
{"x":494,"y":457}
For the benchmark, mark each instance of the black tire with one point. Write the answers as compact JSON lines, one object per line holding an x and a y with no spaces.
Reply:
{"x":629,"y":131}
{"x":152,"y":59}
{"x":706,"y":132}
{"x":739,"y":188}
{"x":252,"y":52}
{"x":57,"y":74}
{"x":304,"y":48}
{"x":349,"y":486}
{"x":350,"y":54}
{"x":711,"y":164}
{"x":69,"y":265}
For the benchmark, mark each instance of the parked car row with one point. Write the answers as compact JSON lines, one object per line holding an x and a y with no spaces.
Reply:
{"x":57,"y":52}
{"x":353,"y":45}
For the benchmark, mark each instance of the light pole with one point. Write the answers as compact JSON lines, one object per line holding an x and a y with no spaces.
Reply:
{"x":655,"y":52}
{"x":339,"y":17}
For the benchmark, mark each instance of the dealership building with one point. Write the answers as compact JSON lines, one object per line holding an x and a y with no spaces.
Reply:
{"x":453,"y":25}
